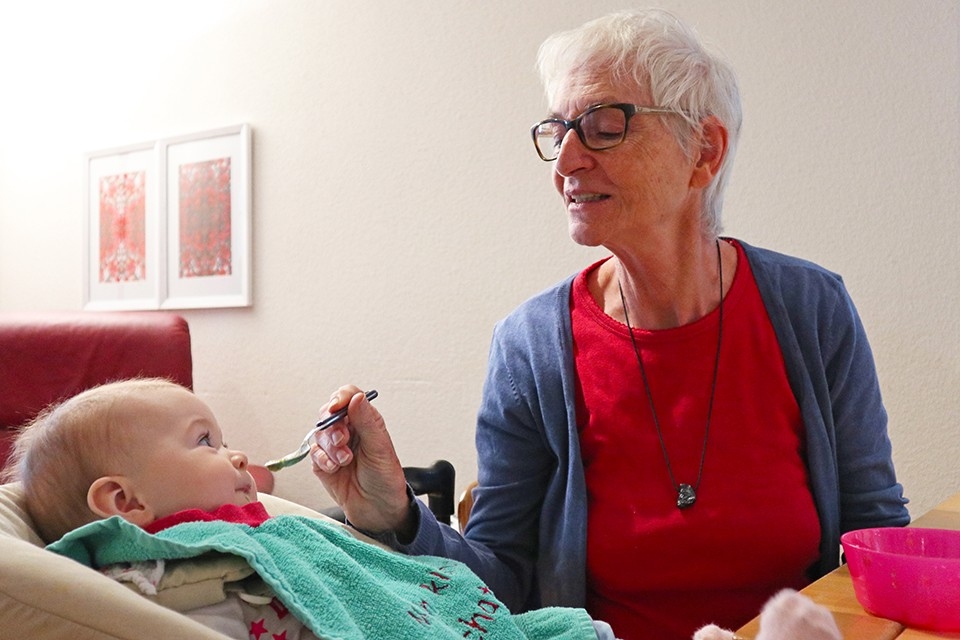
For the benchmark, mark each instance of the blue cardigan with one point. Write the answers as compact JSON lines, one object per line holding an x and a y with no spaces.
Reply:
{"x":528,"y":528}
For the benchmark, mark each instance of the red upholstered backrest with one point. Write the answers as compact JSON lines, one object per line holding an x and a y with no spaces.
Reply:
{"x":46,"y":357}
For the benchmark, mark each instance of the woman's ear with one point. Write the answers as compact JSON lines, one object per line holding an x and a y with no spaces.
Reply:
{"x":114,"y":496}
{"x":713,"y":148}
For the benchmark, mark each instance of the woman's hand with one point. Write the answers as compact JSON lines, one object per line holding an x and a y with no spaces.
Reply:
{"x":358,"y":465}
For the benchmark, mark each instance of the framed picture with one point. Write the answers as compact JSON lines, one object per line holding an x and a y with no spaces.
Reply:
{"x":206,"y":197}
{"x":122,"y":232}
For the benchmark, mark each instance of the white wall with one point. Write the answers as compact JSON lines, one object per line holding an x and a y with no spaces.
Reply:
{"x":400,"y":210}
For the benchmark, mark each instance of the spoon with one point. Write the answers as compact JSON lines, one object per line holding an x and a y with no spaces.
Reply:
{"x":293,"y":458}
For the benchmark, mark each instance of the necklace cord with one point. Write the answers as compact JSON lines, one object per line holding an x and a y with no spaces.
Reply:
{"x":713,"y":386}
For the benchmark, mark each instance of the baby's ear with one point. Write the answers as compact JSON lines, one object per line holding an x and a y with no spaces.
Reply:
{"x":114,"y":496}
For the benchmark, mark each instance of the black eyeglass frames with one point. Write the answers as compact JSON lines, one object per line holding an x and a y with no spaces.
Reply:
{"x":600,"y":127}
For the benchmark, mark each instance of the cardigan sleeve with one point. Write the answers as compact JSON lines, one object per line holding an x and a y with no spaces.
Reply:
{"x":527,"y":530}
{"x":501,"y":541}
{"x":870,"y":495}
{"x":832,"y":374}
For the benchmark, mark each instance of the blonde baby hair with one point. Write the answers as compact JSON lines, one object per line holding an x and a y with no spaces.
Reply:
{"x":70,"y":444}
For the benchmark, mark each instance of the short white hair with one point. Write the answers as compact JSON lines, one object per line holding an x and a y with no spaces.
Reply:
{"x":655,"y":51}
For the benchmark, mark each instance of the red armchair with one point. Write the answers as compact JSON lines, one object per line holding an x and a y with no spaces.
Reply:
{"x":45,"y":357}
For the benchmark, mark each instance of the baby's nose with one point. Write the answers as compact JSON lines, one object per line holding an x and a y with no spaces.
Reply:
{"x":239,"y":459}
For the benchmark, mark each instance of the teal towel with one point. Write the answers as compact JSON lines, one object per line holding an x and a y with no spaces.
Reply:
{"x":338,"y":586}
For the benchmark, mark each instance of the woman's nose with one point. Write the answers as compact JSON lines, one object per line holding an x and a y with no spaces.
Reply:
{"x":572,"y":155}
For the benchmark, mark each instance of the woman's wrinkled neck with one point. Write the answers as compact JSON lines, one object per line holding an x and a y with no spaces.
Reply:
{"x":665,"y":284}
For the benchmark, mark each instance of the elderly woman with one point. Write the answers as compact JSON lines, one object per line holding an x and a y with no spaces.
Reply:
{"x":681,"y":429}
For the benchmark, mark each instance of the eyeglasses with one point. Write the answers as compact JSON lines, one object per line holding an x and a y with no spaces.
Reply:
{"x":603,"y":126}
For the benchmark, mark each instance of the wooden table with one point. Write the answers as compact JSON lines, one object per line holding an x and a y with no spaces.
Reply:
{"x":835,"y":591}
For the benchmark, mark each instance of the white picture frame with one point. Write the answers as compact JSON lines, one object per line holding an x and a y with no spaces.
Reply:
{"x":122,"y":229}
{"x":206,"y":195}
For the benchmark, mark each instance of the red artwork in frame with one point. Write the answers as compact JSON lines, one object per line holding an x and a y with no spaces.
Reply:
{"x":123,"y":235}
{"x":205,"y":219}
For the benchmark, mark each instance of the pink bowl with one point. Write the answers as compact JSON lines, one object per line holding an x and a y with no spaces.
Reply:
{"x":911,"y":575}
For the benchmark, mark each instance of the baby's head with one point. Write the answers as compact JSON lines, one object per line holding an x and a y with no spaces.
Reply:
{"x":141,"y":449}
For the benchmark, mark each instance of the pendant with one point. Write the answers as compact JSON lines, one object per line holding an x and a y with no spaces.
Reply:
{"x":686,"y":496}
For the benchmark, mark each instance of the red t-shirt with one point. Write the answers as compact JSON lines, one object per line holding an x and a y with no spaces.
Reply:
{"x":654,"y":570}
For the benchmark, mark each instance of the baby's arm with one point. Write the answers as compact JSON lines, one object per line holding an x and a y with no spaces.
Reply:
{"x":786,"y":615}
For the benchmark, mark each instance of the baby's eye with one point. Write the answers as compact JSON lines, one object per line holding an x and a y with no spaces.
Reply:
{"x":205,"y":440}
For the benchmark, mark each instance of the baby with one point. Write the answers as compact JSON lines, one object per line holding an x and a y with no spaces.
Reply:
{"x":134,"y":477}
